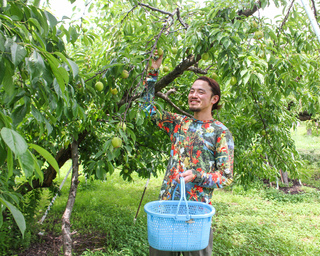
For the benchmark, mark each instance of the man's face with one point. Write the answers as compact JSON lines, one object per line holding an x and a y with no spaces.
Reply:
{"x":200,"y":97}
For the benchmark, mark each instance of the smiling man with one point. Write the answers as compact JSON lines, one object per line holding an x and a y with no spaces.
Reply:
{"x":201,"y":150}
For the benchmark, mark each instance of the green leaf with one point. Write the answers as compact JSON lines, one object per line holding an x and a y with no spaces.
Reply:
{"x":110,"y":167}
{"x":7,"y":80}
{"x":2,"y":41}
{"x":52,"y":20}
{"x":3,"y":152}
{"x":18,"y":114}
{"x":14,"y":141}
{"x":58,"y":91}
{"x":38,"y":14}
{"x":132,"y":135}
{"x":37,"y":115}
{"x":272,"y":35}
{"x":260,"y":77}
{"x":17,"y":215}
{"x":59,"y":72}
{"x":26,"y":163}
{"x":39,"y":173}
{"x":246,"y":78}
{"x":36,"y":23}
{"x":18,"y":53}
{"x":73,"y":34}
{"x":5,"y":119}
{"x":74,"y":67}
{"x":48,"y":126}
{"x":1,"y":219}
{"x":36,"y":3}
{"x":46,"y":155}
{"x":139,"y":119}
{"x":9,"y":163}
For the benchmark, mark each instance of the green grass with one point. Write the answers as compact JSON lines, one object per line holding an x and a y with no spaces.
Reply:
{"x":258,"y":221}
{"x":309,"y":149}
{"x":255,"y":222}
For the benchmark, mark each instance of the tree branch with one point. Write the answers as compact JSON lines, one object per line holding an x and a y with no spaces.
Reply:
{"x":249,"y":12}
{"x":198,"y":70}
{"x":155,"y":9}
{"x":171,"y":91}
{"x":127,"y":14}
{"x":166,"y":98}
{"x":314,"y":9}
{"x":177,"y":71}
{"x":185,"y":25}
{"x":285,"y":18}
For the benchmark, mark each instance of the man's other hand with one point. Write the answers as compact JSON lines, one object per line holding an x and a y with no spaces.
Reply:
{"x":187,"y":175}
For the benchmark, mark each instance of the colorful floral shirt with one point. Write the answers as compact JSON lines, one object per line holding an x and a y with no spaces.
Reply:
{"x":205,"y":147}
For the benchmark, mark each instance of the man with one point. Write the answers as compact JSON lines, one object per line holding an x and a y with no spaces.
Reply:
{"x":201,"y":151}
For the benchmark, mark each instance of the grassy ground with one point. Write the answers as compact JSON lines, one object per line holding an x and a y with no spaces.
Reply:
{"x":256,"y":222}
{"x":309,"y":148}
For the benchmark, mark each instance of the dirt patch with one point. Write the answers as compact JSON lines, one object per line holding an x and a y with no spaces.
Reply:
{"x":293,"y":188}
{"x":51,"y":245}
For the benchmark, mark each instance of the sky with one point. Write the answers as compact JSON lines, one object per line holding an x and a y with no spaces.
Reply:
{"x":62,"y":8}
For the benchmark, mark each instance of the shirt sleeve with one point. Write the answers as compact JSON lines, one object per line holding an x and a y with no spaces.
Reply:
{"x":148,"y":93}
{"x":221,"y":173}
{"x":164,"y":120}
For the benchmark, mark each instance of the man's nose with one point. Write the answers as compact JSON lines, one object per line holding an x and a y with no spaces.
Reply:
{"x":193,"y":94}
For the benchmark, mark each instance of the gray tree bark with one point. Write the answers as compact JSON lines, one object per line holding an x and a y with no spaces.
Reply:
{"x":284,"y":177}
{"x":66,"y":235}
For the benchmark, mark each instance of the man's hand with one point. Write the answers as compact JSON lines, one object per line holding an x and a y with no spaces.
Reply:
{"x":187,"y":175}
{"x":156,"y":63}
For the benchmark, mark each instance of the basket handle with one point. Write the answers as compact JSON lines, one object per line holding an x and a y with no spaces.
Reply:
{"x":182,"y":197}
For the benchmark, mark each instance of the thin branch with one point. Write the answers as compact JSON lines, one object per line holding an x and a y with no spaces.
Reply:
{"x":96,"y":74}
{"x":185,"y":25}
{"x":127,"y":14}
{"x":155,"y":9}
{"x":171,"y":91}
{"x":285,"y":18}
{"x":144,"y":72}
{"x":314,"y":9}
{"x":166,"y":98}
{"x":174,"y":31}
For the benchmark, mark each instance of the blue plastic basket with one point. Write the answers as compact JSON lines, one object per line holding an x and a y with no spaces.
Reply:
{"x":179,"y":225}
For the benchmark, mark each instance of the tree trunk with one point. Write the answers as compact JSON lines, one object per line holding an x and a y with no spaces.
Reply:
{"x":309,"y":132}
{"x":66,"y":236}
{"x":50,"y":174}
{"x":284,"y":177}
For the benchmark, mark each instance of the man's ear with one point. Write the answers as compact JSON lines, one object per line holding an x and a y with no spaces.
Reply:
{"x":214,"y":99}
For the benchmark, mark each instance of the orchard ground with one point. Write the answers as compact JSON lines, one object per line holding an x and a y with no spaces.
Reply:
{"x":259,"y":221}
